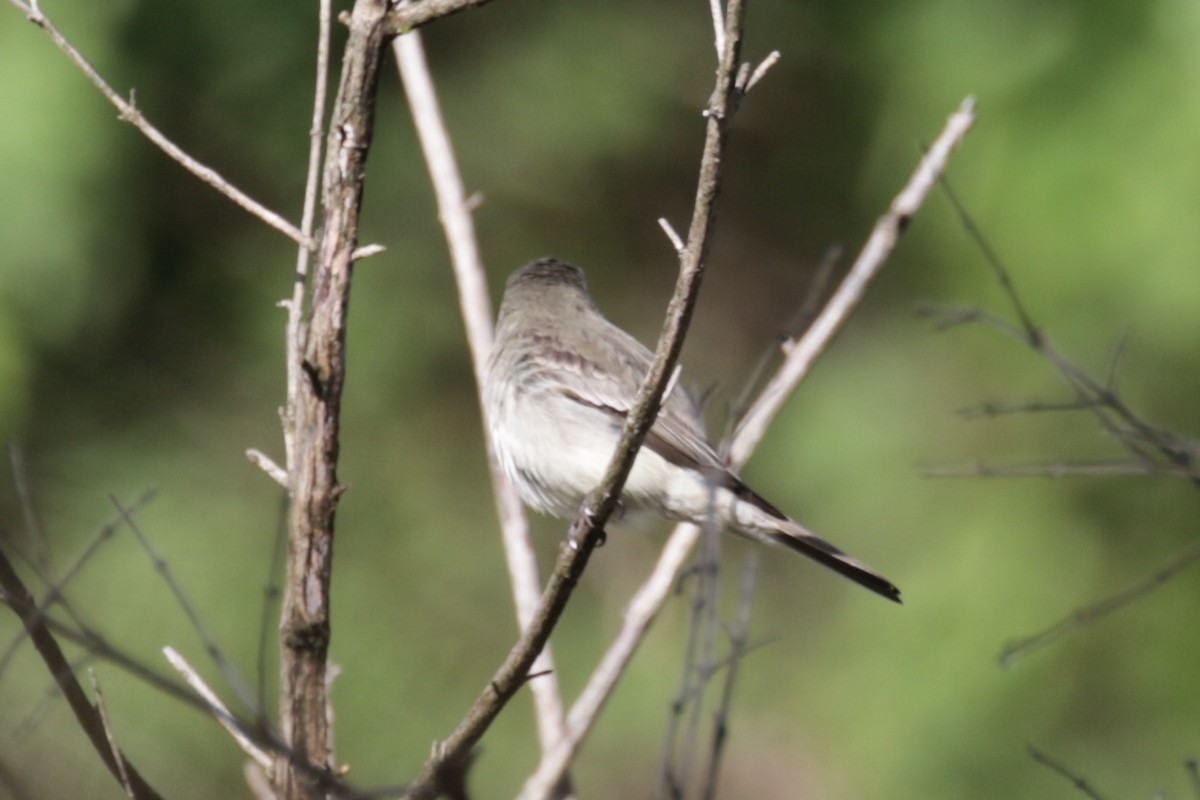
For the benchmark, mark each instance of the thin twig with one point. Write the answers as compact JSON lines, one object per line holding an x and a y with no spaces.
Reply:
{"x":995,"y":409}
{"x":1076,"y":780}
{"x":33,"y":523}
{"x":98,"y":647}
{"x":296,"y":331}
{"x":1100,"y":397}
{"x":454,"y":211}
{"x":54,"y":589}
{"x":674,"y":778}
{"x":50,"y":697}
{"x":1153,"y":449}
{"x":879,"y":246}
{"x":220,"y":710}
{"x":701,"y":653}
{"x":761,"y":70}
{"x":643,"y":608}
{"x":110,"y":735}
{"x":1060,"y":469}
{"x":210,"y":645}
{"x":739,"y":636}
{"x":128,"y":112}
{"x":19,"y":600}
{"x":267,"y":465}
{"x":1089,"y":614}
{"x":781,"y":345}
{"x":717,"y":15}
{"x":672,"y":235}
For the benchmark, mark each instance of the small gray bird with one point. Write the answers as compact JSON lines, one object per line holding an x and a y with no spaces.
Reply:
{"x":560,"y":381}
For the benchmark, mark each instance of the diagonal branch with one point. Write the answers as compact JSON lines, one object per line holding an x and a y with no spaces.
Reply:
{"x":1077,"y":780}
{"x":129,"y":113}
{"x":643,"y":608}
{"x":1089,"y":614}
{"x":23,"y":605}
{"x":451,"y":754}
{"x":1101,"y":398}
{"x":878,"y":248}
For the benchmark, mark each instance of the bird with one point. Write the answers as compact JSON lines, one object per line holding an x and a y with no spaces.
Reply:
{"x":559,"y":383}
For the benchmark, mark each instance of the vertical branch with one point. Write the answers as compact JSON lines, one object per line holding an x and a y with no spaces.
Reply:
{"x":721,"y":105}
{"x":454,"y":211}
{"x":319,"y":376}
{"x":295,"y":305}
{"x":738,"y":636}
{"x":450,"y":755}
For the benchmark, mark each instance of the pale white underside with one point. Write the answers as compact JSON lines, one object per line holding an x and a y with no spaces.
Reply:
{"x":556,"y":450}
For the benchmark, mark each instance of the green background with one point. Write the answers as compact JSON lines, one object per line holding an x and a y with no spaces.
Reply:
{"x":140,"y":347}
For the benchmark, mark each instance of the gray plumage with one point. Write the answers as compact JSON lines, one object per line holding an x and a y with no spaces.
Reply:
{"x":560,"y":381}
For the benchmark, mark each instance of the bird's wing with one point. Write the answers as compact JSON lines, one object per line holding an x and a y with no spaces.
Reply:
{"x":677,"y":434}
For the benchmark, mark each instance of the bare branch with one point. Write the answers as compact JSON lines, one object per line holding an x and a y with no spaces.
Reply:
{"x":718,"y":21}
{"x":99,"y":647}
{"x":640,"y":612}
{"x":454,"y":210}
{"x":871,"y":258}
{"x":54,"y":589}
{"x":646,"y":603}
{"x":1097,"y":611}
{"x":698,"y":661}
{"x":739,"y":636}
{"x":412,"y":16}
{"x":220,"y":710}
{"x":366,"y":251}
{"x":128,"y":112}
{"x":210,"y":646}
{"x":672,"y":235}
{"x":1060,"y":469}
{"x":994,"y":409}
{"x":1076,"y":780}
{"x":110,"y":735}
{"x":1141,"y":439}
{"x":760,"y":71}
{"x":33,"y":524}
{"x":264,"y":462}
{"x":317,"y":367}
{"x":258,"y":781}
{"x":785,"y":341}
{"x":296,"y":331}
{"x":22,"y":604}
{"x":588,"y":528}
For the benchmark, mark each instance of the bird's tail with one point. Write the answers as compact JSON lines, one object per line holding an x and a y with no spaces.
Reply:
{"x":744,"y":512}
{"x":794,"y":537}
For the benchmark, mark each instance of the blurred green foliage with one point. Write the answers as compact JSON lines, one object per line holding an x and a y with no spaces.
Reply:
{"x":140,"y":346}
